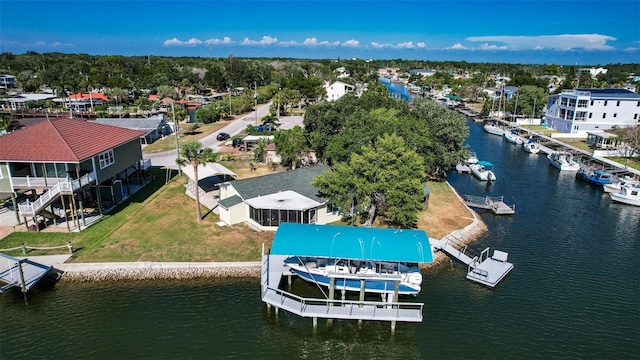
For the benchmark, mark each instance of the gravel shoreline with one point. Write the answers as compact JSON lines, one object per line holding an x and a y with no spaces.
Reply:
{"x":140,"y":271}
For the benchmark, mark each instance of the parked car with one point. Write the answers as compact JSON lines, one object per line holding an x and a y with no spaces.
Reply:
{"x":222,"y":136}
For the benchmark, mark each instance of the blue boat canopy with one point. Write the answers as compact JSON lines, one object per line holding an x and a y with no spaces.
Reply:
{"x":350,"y":242}
{"x":485,"y":163}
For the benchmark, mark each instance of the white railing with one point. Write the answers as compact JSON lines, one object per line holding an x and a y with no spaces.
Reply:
{"x":145,"y":164}
{"x":66,"y":186}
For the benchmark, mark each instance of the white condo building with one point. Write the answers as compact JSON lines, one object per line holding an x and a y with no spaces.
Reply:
{"x":587,"y":110}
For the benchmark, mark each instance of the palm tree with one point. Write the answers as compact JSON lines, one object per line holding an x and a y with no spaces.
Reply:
{"x":192,"y":153}
{"x":9,"y":124}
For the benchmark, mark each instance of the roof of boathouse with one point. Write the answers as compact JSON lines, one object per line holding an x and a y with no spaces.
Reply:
{"x":350,"y":242}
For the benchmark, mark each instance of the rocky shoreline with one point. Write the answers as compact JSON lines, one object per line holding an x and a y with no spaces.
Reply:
{"x":143,"y":271}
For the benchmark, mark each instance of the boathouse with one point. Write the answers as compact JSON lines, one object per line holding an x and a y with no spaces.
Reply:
{"x":344,"y":242}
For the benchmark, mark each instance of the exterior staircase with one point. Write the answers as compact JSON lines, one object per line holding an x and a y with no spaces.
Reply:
{"x":31,"y":208}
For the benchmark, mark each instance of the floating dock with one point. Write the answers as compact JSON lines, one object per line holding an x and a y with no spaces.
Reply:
{"x":484,"y":269}
{"x":495,"y":204}
{"x":20,"y":273}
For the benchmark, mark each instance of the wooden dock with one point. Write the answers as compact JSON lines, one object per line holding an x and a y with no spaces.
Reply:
{"x":273,"y":270}
{"x":495,"y":204}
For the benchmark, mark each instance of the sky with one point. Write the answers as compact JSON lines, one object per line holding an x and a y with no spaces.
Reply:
{"x":539,"y":32}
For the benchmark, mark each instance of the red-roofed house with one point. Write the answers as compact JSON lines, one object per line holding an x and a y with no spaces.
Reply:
{"x":85,"y":102}
{"x":77,"y":162}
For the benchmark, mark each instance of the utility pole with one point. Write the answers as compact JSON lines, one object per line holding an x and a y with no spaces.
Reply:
{"x":255,"y":97}
{"x":175,"y":124}
{"x":230,"y":86}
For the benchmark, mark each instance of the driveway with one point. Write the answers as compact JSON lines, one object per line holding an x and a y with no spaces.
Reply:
{"x":168,"y":158}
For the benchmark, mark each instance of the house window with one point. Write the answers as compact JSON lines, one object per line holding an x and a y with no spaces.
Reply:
{"x":635,"y":117}
{"x":106,"y":159}
{"x":582,"y":103}
{"x":615,"y":114}
{"x":618,"y":103}
{"x":563,"y":101}
{"x":605,"y":102}
{"x":590,"y":115}
{"x":591,"y":102}
{"x":604,"y":115}
{"x":274,"y":217}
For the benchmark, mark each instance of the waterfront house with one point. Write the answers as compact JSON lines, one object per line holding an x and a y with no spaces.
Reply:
{"x":264,"y":202}
{"x":422,"y":72}
{"x":21,"y":101}
{"x":579,"y":111}
{"x":66,"y":163}
{"x":7,"y":82}
{"x":337,"y":90}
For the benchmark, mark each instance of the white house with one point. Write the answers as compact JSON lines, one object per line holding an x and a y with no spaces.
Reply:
{"x":264,"y":202}
{"x":579,"y":111}
{"x":337,"y":90}
{"x":591,"y":71}
{"x":7,"y":82}
{"x":422,"y":72}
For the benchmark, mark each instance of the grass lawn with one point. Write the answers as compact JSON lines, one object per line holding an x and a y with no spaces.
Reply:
{"x":158,"y":224}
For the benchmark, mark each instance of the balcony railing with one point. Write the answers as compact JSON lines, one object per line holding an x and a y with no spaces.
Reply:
{"x":65,"y":186}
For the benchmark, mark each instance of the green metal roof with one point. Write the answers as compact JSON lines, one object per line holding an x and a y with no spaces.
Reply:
{"x":230,"y":201}
{"x":298,"y":180}
{"x":350,"y":242}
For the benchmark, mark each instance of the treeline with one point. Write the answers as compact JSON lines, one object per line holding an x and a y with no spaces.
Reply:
{"x":80,"y":72}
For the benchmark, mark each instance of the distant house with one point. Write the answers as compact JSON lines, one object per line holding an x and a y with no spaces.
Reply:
{"x":7,"y":82}
{"x":154,"y":127}
{"x":264,"y":202}
{"x":85,"y":102}
{"x":422,"y":72}
{"x":589,"y":110}
{"x":337,"y":90}
{"x":21,"y":101}
{"x":593,"y":72}
{"x":77,"y":163}
{"x":508,"y":92}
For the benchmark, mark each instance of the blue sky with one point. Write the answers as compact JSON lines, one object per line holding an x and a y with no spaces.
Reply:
{"x":561,"y":32}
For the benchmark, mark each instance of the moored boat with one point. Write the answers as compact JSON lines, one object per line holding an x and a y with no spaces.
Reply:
{"x":629,"y":194}
{"x":379,"y":276}
{"x":531,"y":146}
{"x":513,"y":137}
{"x":594,"y":177}
{"x":493,"y":128}
{"x":617,"y":184}
{"x":563,"y":161}
{"x":483,"y":170}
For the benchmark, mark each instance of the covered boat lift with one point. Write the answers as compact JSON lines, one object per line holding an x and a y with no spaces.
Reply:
{"x":344,"y":242}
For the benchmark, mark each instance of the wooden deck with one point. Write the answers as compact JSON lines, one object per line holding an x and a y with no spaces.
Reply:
{"x":495,"y":204}
{"x":272,"y":271}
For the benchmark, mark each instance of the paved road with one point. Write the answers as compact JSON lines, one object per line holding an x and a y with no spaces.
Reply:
{"x":168,"y":158}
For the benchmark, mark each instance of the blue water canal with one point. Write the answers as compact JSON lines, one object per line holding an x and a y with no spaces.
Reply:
{"x":574,"y":294}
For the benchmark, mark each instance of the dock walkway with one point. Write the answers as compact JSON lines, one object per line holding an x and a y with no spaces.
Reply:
{"x":495,"y":204}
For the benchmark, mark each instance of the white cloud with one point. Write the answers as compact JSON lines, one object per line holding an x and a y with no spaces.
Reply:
{"x":487,"y":46}
{"x":351,"y":43}
{"x":39,"y":43}
{"x":224,"y":41}
{"x":421,"y":45}
{"x":378,"y":45}
{"x":266,"y":40}
{"x":630,"y":49}
{"x":405,"y":45}
{"x":176,"y":42}
{"x":563,"y":42}
{"x":458,"y":46}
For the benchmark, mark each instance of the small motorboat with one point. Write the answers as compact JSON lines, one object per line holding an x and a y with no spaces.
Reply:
{"x":483,"y":170}
{"x":564,"y":161}
{"x":629,"y":194}
{"x":594,"y":177}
